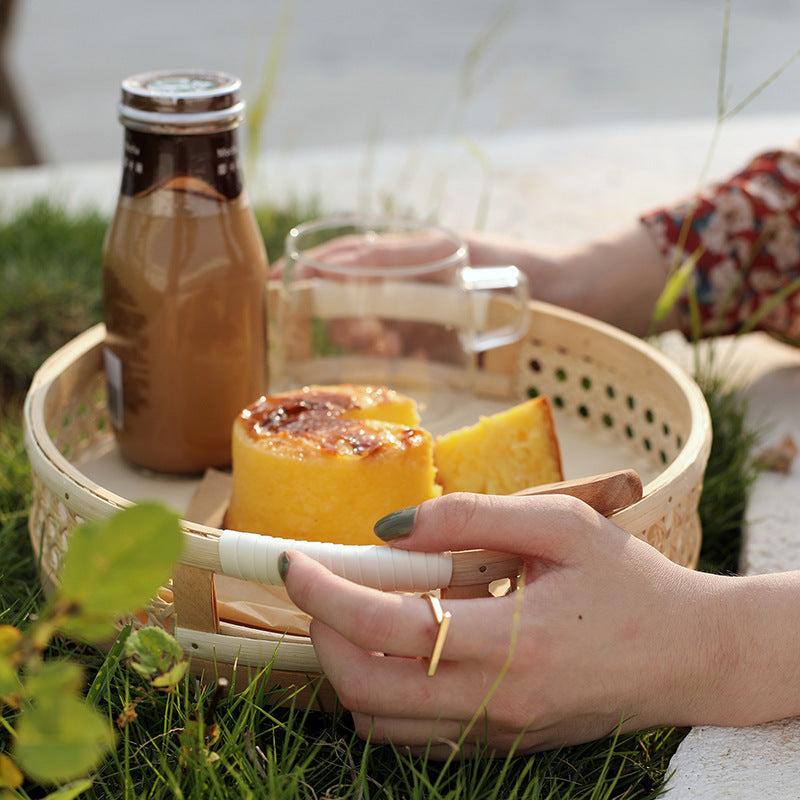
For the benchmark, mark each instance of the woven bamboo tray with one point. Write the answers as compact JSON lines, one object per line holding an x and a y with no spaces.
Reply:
{"x":618,"y":403}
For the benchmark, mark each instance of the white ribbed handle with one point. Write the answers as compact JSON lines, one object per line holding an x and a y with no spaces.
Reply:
{"x":255,"y":558}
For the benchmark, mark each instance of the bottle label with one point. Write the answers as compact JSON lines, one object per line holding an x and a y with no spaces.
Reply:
{"x":152,"y":159}
{"x":114,"y":398}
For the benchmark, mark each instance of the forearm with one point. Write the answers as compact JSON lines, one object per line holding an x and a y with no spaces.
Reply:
{"x":766,"y":683}
{"x":735,"y":651}
{"x":617,"y":280}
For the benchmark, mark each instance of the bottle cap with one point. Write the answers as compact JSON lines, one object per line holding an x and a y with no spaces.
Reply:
{"x":181,"y":101}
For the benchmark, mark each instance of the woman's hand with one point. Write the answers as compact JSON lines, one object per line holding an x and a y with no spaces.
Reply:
{"x":605,"y":633}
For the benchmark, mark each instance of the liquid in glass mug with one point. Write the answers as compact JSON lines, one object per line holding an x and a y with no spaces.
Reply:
{"x":390,"y":302}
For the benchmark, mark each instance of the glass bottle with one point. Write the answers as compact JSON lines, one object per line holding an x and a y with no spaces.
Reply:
{"x":184,"y":275}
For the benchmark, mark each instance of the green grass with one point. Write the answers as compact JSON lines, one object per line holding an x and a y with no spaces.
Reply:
{"x":730,"y":474}
{"x":49,"y":291}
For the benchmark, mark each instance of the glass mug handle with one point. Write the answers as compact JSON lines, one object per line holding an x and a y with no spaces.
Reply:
{"x":494,"y":291}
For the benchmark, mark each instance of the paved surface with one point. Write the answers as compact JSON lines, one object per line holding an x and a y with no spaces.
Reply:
{"x":758,"y":763}
{"x":358,"y":72}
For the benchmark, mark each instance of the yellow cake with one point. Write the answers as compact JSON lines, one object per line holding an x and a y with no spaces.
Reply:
{"x":324,"y":463}
{"x":501,"y":453}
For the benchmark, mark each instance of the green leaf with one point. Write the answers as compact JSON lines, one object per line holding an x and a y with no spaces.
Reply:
{"x":55,"y":678}
{"x":156,"y":655}
{"x":675,"y":285}
{"x":9,"y":678}
{"x":70,"y":790}
{"x":58,"y":736}
{"x":776,"y":299}
{"x":114,"y":566}
{"x":695,"y":320}
{"x":61,"y":740}
{"x":172,"y":677}
{"x":10,"y":776}
{"x":10,"y":641}
{"x":109,"y":667}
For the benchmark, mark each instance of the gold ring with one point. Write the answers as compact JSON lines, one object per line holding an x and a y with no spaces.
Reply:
{"x":443,"y":621}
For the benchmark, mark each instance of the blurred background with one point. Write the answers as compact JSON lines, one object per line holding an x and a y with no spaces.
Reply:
{"x":553,"y":120}
{"x":361,"y":72}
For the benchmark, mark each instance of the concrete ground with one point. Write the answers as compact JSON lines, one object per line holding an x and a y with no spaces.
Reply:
{"x":360,"y":72}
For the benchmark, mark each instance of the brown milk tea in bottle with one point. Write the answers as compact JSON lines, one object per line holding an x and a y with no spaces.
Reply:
{"x":184,"y":276}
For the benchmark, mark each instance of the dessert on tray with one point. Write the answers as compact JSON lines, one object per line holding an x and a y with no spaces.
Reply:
{"x":324,"y":463}
{"x":502,"y":453}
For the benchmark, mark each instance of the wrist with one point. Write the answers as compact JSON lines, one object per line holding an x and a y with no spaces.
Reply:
{"x":618,"y":280}
{"x":692,"y":653}
{"x":764,"y":624}
{"x":555,"y":274}
{"x":736,"y":651}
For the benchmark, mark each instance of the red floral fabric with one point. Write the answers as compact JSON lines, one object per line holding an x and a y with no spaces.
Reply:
{"x":746,"y":232}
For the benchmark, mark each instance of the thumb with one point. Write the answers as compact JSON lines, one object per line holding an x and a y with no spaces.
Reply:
{"x":552,"y":527}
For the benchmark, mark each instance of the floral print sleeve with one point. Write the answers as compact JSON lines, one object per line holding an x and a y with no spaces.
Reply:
{"x":745,"y":234}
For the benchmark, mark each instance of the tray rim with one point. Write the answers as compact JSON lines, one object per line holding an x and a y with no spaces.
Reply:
{"x":689,"y":465}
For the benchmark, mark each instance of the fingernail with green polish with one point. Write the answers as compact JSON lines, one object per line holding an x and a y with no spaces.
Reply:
{"x":396,"y":525}
{"x":283,"y":565}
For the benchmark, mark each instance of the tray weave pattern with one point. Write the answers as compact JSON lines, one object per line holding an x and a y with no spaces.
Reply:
{"x":77,"y":427}
{"x":74,"y":427}
{"x":591,"y":392}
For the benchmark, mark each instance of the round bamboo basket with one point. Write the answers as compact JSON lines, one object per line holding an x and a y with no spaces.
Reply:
{"x":612,"y":394}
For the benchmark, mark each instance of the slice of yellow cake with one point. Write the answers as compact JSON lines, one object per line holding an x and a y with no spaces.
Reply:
{"x":324,"y":463}
{"x":501,"y":453}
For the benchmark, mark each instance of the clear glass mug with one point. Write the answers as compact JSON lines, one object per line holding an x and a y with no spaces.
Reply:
{"x":390,"y":302}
